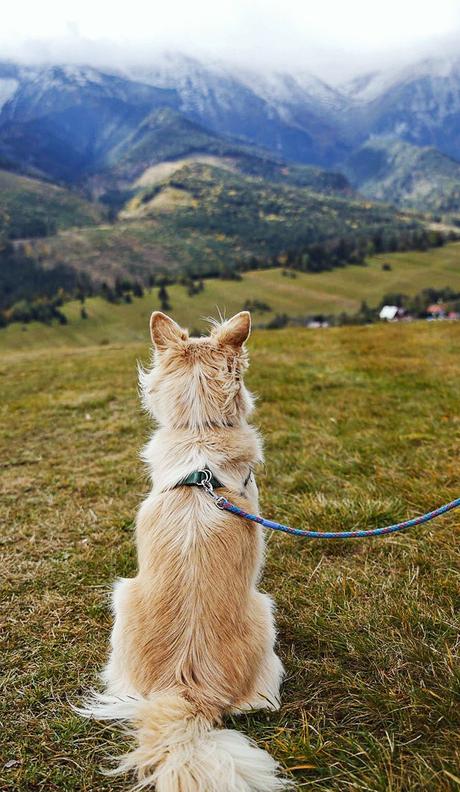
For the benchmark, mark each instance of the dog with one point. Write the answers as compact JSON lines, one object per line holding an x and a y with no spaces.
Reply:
{"x":193,"y":638}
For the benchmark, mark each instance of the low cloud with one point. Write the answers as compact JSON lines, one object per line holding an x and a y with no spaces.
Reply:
{"x":334,"y":40}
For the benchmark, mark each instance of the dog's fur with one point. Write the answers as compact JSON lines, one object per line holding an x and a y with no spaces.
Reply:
{"x":193,"y":638}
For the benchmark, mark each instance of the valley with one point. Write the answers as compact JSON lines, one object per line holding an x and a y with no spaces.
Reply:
{"x":187,"y":170}
{"x":333,"y":292}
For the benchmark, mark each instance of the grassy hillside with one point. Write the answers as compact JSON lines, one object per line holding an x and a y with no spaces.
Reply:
{"x":30,"y":207}
{"x":325,"y":292}
{"x":257,"y":212}
{"x":362,"y":429}
{"x":272,"y":170}
{"x":204,"y":219}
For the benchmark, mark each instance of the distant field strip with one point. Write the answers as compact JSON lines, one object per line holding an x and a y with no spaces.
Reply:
{"x":325,"y":292}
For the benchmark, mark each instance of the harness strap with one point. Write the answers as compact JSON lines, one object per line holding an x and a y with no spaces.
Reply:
{"x":199,"y":477}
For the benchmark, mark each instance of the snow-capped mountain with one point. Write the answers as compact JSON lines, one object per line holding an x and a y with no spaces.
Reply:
{"x":57,"y":88}
{"x":419,"y":104}
{"x":67,"y":121}
{"x":80,"y":113}
{"x":371,"y":86}
{"x":289,"y":115}
{"x":62,"y":120}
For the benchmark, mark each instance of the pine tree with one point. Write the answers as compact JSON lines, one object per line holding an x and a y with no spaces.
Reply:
{"x":163,"y":296}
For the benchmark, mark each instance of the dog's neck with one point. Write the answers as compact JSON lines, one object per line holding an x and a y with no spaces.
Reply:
{"x":228,"y":451}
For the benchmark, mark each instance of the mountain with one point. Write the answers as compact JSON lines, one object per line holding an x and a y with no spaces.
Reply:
{"x":68,"y":121}
{"x":419,"y":104}
{"x":167,"y":135}
{"x":391,"y":170}
{"x":100,"y":130}
{"x":302,"y":118}
{"x":63,"y":121}
{"x":293,"y":116}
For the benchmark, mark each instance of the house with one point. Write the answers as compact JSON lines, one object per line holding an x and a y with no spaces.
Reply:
{"x":314,"y":324}
{"x":436,"y":311}
{"x":391,"y":313}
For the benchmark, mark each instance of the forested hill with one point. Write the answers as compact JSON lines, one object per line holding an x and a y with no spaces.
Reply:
{"x":201,"y":221}
{"x":204,"y":221}
{"x":36,"y":208}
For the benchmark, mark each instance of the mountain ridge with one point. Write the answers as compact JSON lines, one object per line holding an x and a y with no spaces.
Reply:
{"x":71,"y":124}
{"x":389,"y":169}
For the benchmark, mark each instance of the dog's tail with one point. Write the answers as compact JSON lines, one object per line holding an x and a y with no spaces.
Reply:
{"x":179,"y":750}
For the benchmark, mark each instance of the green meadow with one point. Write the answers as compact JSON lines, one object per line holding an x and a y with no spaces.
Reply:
{"x":309,"y":293}
{"x":361,"y":428}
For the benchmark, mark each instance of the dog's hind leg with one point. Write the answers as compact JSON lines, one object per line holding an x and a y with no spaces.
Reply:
{"x":266,"y":694}
{"x":266,"y":690}
{"x":114,"y":675}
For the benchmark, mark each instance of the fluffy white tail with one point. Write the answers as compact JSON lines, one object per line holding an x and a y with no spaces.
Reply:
{"x":180,"y":751}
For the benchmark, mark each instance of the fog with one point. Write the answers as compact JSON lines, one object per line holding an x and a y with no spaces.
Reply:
{"x":332,"y":38}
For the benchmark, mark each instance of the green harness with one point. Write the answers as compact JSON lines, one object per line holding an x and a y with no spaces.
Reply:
{"x":197,"y":478}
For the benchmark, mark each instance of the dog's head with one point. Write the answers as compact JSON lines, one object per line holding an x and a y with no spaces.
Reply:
{"x":197,"y":382}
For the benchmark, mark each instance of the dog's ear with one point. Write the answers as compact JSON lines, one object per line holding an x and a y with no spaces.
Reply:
{"x":235,"y":331}
{"x":165,"y":331}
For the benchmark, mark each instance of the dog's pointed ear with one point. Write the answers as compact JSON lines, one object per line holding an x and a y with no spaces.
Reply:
{"x":235,"y":331}
{"x":165,"y":331}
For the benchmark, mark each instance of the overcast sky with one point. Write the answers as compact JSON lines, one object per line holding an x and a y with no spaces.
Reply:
{"x":283,"y":33}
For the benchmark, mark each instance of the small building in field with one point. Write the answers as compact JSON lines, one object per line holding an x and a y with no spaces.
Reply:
{"x":436,"y":311}
{"x":391,"y":313}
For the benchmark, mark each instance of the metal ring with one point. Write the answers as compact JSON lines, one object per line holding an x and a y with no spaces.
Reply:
{"x":207,"y":477}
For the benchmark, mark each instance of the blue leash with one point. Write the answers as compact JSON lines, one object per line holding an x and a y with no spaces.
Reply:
{"x":226,"y":505}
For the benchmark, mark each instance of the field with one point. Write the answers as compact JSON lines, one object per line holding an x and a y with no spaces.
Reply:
{"x":362,"y":429}
{"x":326,"y":292}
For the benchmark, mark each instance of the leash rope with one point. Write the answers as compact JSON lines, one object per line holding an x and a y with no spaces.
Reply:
{"x":226,"y":505}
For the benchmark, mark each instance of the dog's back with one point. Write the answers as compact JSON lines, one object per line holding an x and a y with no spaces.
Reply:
{"x":191,"y":618}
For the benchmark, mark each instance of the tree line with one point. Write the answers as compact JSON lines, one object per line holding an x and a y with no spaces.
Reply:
{"x":416,"y":307}
{"x":30,"y":292}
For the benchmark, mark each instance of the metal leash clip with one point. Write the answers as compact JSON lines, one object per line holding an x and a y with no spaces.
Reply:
{"x":206,"y":483}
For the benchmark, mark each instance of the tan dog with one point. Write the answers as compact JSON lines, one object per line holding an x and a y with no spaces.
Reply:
{"x":193,"y":638}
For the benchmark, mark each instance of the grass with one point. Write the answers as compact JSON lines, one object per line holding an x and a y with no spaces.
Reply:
{"x":361,"y":428}
{"x":325,"y":292}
